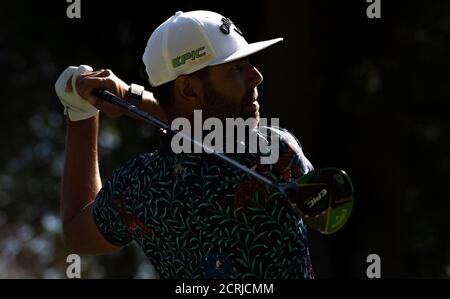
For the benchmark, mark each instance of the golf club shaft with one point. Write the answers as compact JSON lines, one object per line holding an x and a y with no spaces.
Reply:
{"x":146,"y":117}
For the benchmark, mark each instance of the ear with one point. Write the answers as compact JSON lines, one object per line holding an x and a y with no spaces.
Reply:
{"x":189,"y":88}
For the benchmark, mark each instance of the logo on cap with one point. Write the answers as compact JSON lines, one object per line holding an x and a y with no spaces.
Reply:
{"x":225,"y":27}
{"x":195,"y":54}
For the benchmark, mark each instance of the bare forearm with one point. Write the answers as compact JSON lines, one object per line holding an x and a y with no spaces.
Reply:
{"x":81,"y":179}
{"x":151,"y":106}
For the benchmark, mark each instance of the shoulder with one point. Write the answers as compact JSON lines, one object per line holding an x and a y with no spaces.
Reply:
{"x":290,"y":149}
{"x":286,"y":139}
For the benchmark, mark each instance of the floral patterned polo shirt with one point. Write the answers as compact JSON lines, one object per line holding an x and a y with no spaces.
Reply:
{"x":195,"y":216}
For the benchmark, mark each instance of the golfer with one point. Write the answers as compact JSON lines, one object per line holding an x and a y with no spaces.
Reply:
{"x":193,"y":215}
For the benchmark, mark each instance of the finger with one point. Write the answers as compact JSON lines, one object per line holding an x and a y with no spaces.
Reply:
{"x":86,"y":85}
{"x":105,"y":73}
{"x":92,"y":74}
{"x":101,"y":73}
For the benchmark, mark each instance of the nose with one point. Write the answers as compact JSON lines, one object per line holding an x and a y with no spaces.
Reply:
{"x":254,"y":76}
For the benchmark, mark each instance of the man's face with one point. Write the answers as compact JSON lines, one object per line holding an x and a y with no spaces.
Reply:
{"x":230,"y":90}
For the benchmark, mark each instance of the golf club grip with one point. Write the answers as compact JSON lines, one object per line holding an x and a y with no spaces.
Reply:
{"x":109,"y":97}
{"x":115,"y":100}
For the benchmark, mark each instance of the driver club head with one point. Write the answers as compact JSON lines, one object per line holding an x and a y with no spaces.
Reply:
{"x":324,"y":198}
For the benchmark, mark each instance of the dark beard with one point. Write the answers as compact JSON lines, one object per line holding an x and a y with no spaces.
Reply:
{"x":216,"y":105}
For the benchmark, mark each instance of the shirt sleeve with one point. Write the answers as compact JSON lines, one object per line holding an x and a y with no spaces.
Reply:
{"x":112,"y":212}
{"x":292,"y":162}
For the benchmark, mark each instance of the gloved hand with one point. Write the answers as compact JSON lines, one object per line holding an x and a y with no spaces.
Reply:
{"x":74,"y":106}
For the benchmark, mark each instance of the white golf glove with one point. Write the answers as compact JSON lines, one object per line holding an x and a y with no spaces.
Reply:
{"x":76,"y":107}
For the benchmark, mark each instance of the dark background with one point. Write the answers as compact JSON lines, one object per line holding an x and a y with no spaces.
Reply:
{"x":366,"y":95}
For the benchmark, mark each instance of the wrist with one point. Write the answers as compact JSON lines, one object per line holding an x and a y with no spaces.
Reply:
{"x":76,"y":124}
{"x":135,"y":94}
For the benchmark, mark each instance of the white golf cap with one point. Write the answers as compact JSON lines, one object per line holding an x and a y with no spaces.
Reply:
{"x":190,"y":41}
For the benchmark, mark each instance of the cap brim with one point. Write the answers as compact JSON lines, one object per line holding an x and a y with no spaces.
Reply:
{"x":248,"y":50}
